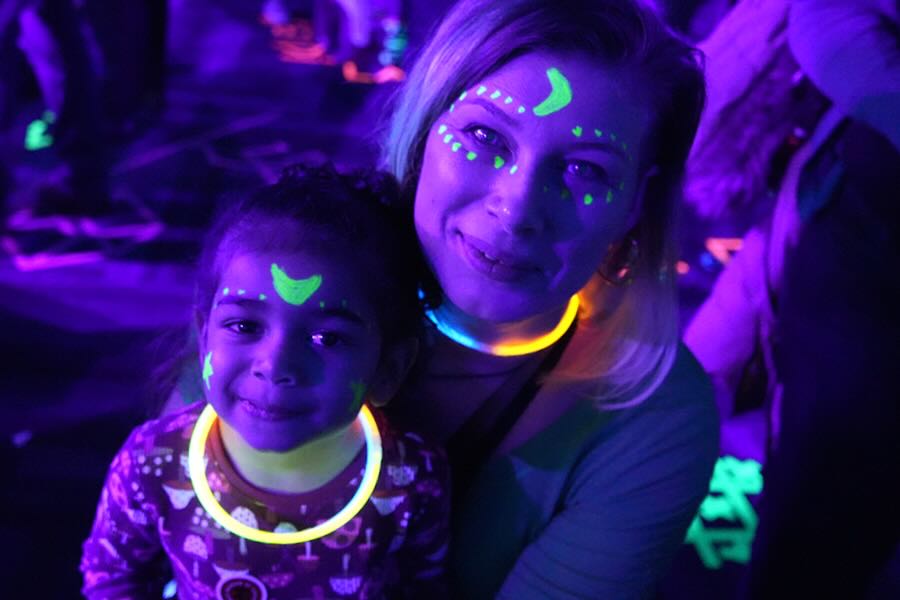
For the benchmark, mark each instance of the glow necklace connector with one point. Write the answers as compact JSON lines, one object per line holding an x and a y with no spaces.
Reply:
{"x":197,"y":470}
{"x":511,"y":348}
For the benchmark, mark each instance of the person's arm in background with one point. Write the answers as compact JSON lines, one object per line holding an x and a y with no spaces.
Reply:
{"x":629,"y":501}
{"x":122,"y":557}
{"x":724,"y":331}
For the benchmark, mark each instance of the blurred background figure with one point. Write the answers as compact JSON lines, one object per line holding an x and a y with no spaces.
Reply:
{"x":801,"y":331}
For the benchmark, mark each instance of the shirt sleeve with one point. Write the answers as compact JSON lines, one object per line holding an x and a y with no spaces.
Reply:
{"x":628,"y":504}
{"x":422,"y":559}
{"x":122,"y":558}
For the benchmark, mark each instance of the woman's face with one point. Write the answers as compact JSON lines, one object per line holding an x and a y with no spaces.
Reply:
{"x":527,"y":179}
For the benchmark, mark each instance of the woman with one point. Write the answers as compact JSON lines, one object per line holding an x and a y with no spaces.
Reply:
{"x":544,"y":144}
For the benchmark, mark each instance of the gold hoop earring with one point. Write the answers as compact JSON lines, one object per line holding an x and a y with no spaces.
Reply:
{"x":618,"y":268}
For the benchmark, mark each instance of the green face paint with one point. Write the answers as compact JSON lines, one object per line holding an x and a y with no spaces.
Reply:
{"x":359,"y":390}
{"x":207,"y":369}
{"x":463,"y":95}
{"x":447,"y":138}
{"x":471,"y":156}
{"x":481,"y":89}
{"x":241,"y":292}
{"x":498,"y":162}
{"x":598,"y":133}
{"x":560,"y":94}
{"x":294,"y":291}
{"x":609,"y":196}
{"x":513,"y":169}
{"x":225,"y":292}
{"x":442,"y":129}
{"x":577,"y":131}
{"x":508,"y":100}
{"x":262,"y":296}
{"x":452,"y":106}
{"x":588,"y":199}
{"x":455,"y":146}
{"x":496,"y":95}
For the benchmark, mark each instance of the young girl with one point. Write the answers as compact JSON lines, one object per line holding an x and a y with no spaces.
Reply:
{"x":286,"y":482}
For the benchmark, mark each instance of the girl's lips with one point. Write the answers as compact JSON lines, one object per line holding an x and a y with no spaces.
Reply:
{"x":497,"y":265}
{"x":267,"y":413}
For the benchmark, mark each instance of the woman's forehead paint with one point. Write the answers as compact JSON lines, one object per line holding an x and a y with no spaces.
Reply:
{"x":225,"y":292}
{"x":241,"y":292}
{"x":262,"y":296}
{"x":560,"y":94}
{"x":498,"y":162}
{"x":588,"y":199}
{"x":207,"y":369}
{"x":577,"y":131}
{"x":294,"y":291}
{"x":442,"y":129}
{"x":471,"y":155}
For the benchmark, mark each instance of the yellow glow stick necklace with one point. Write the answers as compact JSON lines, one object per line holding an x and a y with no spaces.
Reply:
{"x":510,"y":348}
{"x":197,"y":471}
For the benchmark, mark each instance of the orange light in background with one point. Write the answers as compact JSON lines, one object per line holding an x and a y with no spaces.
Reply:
{"x":724,"y":248}
{"x":682,"y":267}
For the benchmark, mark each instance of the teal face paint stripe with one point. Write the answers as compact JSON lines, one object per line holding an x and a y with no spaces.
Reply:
{"x":294,"y":291}
{"x":560,"y":94}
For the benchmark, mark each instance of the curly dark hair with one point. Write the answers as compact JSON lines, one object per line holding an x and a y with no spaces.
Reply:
{"x":320,"y":208}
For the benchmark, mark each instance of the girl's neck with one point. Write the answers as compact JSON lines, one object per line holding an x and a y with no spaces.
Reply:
{"x":298,"y":470}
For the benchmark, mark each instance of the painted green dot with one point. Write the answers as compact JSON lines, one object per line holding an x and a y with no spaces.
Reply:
{"x":463,"y":95}
{"x":452,"y":106}
{"x":513,"y":169}
{"x":598,"y":133}
{"x":262,"y":296}
{"x":241,"y":292}
{"x":498,"y":162}
{"x":588,"y":199}
{"x":322,"y":304}
{"x":481,"y":89}
{"x":521,"y":109}
{"x":442,"y":129}
{"x":508,"y":100}
{"x":455,"y":146}
{"x":447,"y":138}
{"x":496,"y":95}
{"x":471,"y":155}
{"x":225,"y":292}
{"x":577,"y":130}
{"x":608,"y":196}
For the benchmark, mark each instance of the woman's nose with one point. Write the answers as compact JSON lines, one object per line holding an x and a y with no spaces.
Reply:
{"x":517,"y":204}
{"x":278,"y":363}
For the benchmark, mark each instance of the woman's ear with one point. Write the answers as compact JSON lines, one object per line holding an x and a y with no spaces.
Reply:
{"x":395,"y":364}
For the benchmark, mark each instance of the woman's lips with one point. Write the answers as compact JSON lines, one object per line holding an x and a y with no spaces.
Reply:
{"x":495,"y":264}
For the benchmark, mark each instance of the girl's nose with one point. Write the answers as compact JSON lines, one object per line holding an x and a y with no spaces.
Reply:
{"x":278,"y":363}
{"x":518,"y":205}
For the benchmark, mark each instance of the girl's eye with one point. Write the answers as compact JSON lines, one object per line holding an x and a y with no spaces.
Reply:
{"x":244,"y":327}
{"x":586,"y":170}
{"x":485,"y":136}
{"x":326,"y":339}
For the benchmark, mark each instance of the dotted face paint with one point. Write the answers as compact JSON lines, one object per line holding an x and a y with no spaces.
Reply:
{"x":577,"y":131}
{"x":225,"y":292}
{"x":294,"y":291}
{"x":207,"y":369}
{"x":560,"y":94}
{"x":262,"y":296}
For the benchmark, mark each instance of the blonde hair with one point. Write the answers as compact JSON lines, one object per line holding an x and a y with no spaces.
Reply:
{"x":635,"y":327}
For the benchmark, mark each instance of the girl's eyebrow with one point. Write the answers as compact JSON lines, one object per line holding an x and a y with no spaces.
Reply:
{"x":493,"y":109}
{"x":240,"y":301}
{"x":344,"y":314}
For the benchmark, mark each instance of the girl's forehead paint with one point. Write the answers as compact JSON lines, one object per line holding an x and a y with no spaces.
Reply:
{"x":560,"y":94}
{"x":207,"y":369}
{"x":294,"y":291}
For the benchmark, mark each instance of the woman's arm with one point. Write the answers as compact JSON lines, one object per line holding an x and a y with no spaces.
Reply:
{"x":628,"y":502}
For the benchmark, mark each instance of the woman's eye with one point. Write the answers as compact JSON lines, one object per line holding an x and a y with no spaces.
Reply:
{"x":586,"y":170}
{"x":325,"y":339}
{"x":244,"y":327}
{"x":485,"y":136}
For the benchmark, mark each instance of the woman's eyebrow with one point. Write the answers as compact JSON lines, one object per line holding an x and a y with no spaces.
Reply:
{"x":603,"y":146}
{"x":494,"y":110}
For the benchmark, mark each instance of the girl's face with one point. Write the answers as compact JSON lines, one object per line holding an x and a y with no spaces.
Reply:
{"x":527,"y":179}
{"x":290,"y":344}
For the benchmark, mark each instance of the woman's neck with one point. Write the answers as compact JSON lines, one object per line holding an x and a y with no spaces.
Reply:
{"x":511,"y":338}
{"x":298,"y":470}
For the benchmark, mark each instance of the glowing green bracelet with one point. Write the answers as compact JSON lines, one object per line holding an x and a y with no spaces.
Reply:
{"x":208,"y":501}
